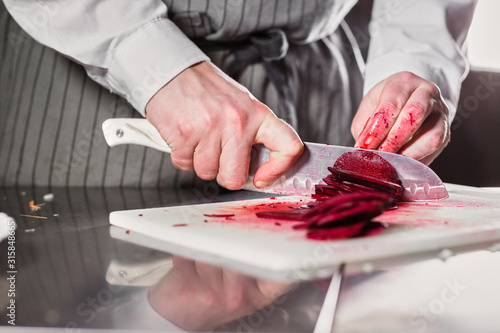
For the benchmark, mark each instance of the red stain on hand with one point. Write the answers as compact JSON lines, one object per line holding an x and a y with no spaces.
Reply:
{"x":376,"y":128}
{"x":406,"y":128}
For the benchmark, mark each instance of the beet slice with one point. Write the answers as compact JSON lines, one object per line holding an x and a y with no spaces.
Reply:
{"x":336,"y":212}
{"x":348,"y":199}
{"x":218,"y":215}
{"x":291,"y":215}
{"x":349,"y":208}
{"x":336,"y":233}
{"x":366,"y":163}
{"x":371,"y":229}
{"x":360,"y":186}
{"x":358,"y":182}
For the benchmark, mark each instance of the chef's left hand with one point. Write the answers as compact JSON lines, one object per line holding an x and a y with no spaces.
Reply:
{"x":403,"y":114}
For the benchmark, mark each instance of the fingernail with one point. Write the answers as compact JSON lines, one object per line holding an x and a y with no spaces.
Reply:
{"x":261,"y":184}
{"x":368,"y":141}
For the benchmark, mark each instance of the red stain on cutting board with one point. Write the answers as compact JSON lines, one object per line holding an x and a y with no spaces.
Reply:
{"x":408,"y":214}
{"x":246,"y":215}
{"x":434,"y":212}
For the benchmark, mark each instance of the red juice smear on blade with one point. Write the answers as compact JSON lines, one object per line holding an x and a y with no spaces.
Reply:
{"x":245,"y":216}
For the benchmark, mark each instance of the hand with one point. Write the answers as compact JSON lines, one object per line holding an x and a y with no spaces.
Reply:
{"x":197,"y":296}
{"x":211,"y":122}
{"x":403,"y":114}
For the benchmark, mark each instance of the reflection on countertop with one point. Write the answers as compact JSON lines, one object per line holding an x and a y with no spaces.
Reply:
{"x":72,"y":274}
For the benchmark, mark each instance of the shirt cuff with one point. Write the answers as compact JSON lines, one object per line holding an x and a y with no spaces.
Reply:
{"x":149,"y":59}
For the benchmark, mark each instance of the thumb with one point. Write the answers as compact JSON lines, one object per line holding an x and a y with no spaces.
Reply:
{"x":285,"y":146}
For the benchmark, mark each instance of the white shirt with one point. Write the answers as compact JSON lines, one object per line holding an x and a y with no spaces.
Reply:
{"x":133,"y":49}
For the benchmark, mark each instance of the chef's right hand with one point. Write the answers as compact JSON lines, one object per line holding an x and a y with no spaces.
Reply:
{"x":200,"y":297}
{"x":211,"y":122}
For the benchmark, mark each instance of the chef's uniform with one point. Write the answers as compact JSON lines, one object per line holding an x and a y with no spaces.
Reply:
{"x":299,"y":57}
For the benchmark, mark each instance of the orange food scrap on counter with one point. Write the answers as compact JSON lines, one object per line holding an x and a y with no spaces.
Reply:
{"x":34,"y":216}
{"x":34,"y":207}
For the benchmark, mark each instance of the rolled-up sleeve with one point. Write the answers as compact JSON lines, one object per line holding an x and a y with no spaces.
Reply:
{"x":128,"y":46}
{"x":423,"y":37}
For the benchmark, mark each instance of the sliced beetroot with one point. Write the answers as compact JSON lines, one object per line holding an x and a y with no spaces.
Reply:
{"x":338,"y":203}
{"x":361,"y":171}
{"x":367,"y":163}
{"x":336,"y":233}
{"x":218,"y":215}
{"x":361,"y":185}
{"x":366,"y":183}
{"x":371,"y":229}
{"x":336,"y":212}
{"x":291,"y":215}
{"x":356,"y":213}
{"x":349,"y":208}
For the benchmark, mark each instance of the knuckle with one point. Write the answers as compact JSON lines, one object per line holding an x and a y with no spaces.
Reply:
{"x":185,"y":129}
{"x":234,"y":184}
{"x":261,"y":107}
{"x":182,"y":163}
{"x":437,"y":140}
{"x":236,"y":300}
{"x":407,"y":76}
{"x":231,"y":182}
{"x":433,"y":90}
{"x":416,"y":111}
{"x":236,"y":117}
{"x":295,"y":148}
{"x":208,"y":300}
{"x":390,"y":106}
{"x":210,"y":122}
{"x":392,"y":144}
{"x":206,"y":175}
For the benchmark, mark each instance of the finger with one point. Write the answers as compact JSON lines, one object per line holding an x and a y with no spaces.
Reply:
{"x":430,"y":140}
{"x":429,"y":159}
{"x":210,"y":274}
{"x":186,"y":266}
{"x":413,"y":115}
{"x":364,"y":112}
{"x":234,"y":163}
{"x":392,"y":100}
{"x":182,"y":161}
{"x":238,"y":280}
{"x":285,"y":146}
{"x":182,"y":155}
{"x":272,"y":289}
{"x":206,"y":158}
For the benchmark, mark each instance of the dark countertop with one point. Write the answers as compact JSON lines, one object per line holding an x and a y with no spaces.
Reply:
{"x":71,"y":274}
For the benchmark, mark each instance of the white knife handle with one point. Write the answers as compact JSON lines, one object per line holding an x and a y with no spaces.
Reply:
{"x":124,"y":131}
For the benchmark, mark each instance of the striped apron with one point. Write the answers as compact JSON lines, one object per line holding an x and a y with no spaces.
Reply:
{"x":51,"y":112}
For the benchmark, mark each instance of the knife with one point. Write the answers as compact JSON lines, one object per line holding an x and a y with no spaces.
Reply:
{"x":420,"y":183}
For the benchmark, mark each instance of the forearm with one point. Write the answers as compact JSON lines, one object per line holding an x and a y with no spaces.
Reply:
{"x":128,"y":46}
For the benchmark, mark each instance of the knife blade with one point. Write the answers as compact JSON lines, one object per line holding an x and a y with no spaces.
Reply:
{"x":420,"y":183}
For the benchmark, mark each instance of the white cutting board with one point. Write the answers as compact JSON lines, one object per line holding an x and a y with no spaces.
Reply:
{"x":263,"y":248}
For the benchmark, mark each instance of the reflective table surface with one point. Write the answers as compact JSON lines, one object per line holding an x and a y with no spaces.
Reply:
{"x":71,"y":274}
